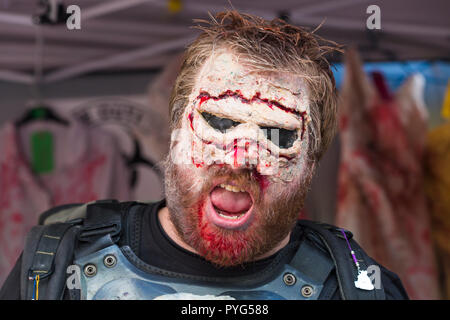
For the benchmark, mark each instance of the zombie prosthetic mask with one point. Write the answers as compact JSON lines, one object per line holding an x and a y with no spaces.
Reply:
{"x":239,"y":169}
{"x":244,"y":118}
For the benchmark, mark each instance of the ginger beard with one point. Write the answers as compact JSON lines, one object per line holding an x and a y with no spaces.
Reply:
{"x":233,"y":191}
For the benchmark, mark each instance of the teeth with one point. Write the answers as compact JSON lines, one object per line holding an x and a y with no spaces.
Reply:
{"x":231,"y":217}
{"x":231,"y":188}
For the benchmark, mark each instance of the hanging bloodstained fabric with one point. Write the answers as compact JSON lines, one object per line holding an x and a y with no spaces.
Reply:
{"x":437,"y":181}
{"x":380,"y":185}
{"x":81,"y":165}
{"x":155,"y":136}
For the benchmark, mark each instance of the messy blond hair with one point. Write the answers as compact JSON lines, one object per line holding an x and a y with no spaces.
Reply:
{"x":266,"y":46}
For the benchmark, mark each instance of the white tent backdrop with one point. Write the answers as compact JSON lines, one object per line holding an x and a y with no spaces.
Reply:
{"x":127,"y":35}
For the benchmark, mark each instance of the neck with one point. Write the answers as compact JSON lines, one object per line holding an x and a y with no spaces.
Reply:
{"x":170,"y":230}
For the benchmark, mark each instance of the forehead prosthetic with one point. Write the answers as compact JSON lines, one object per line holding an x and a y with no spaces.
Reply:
{"x":245,"y":119}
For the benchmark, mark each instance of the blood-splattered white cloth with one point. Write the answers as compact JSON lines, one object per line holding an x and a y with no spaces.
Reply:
{"x":87,"y":167}
{"x":381,"y":197}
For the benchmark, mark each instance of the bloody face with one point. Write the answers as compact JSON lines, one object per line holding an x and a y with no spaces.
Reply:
{"x":238,"y":170}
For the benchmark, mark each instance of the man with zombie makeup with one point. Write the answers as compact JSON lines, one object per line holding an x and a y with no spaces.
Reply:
{"x":252,"y":112}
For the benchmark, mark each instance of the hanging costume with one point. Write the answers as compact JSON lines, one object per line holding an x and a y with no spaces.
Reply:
{"x":438,"y":190}
{"x":381,"y":197}
{"x":85,"y":166}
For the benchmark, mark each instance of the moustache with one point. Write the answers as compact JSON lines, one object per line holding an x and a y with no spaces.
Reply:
{"x":247,"y":179}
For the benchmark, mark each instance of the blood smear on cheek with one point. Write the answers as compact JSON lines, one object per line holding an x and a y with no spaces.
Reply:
{"x":191,"y":119}
{"x":262,"y":180}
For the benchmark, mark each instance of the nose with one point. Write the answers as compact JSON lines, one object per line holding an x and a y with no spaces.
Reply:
{"x":245,"y":154}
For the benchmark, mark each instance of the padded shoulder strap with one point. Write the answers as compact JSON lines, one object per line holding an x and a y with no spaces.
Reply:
{"x":346,"y":271}
{"x":63,"y":213}
{"x":312,"y":262}
{"x":47,"y":253}
{"x":50,"y":247}
{"x":104,"y":217}
{"x":105,"y":224}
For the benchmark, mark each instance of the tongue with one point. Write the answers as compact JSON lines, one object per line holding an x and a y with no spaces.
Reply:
{"x":231,"y":202}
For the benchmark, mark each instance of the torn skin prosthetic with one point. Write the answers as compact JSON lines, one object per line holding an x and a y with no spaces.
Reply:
{"x":241,"y":152}
{"x":246,"y":119}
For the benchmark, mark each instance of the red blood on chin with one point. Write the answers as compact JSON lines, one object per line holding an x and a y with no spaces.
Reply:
{"x":222,"y":247}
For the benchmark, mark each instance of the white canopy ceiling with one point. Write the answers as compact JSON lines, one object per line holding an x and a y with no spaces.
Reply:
{"x":142,"y":34}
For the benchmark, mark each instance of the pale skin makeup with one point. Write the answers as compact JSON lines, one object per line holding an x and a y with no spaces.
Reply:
{"x":253,"y":124}
{"x":253,"y":104}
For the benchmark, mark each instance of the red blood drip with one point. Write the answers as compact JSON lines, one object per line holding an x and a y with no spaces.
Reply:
{"x":203,"y":96}
{"x":235,"y":153}
{"x":199,"y":165}
{"x":203,"y":99}
{"x":262,"y":180}
{"x":191,"y":119}
{"x":247,"y":146}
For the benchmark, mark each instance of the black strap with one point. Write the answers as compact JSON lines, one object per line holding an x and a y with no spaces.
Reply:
{"x":43,"y":261}
{"x":46,"y":247}
{"x":346,"y":271}
{"x":103,"y":225}
{"x":310,"y":261}
{"x":102,"y":217}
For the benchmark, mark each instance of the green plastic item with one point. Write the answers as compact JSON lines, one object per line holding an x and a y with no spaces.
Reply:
{"x":42,"y":152}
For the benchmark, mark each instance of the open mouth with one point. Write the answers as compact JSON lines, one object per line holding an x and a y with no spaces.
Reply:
{"x":229,"y":206}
